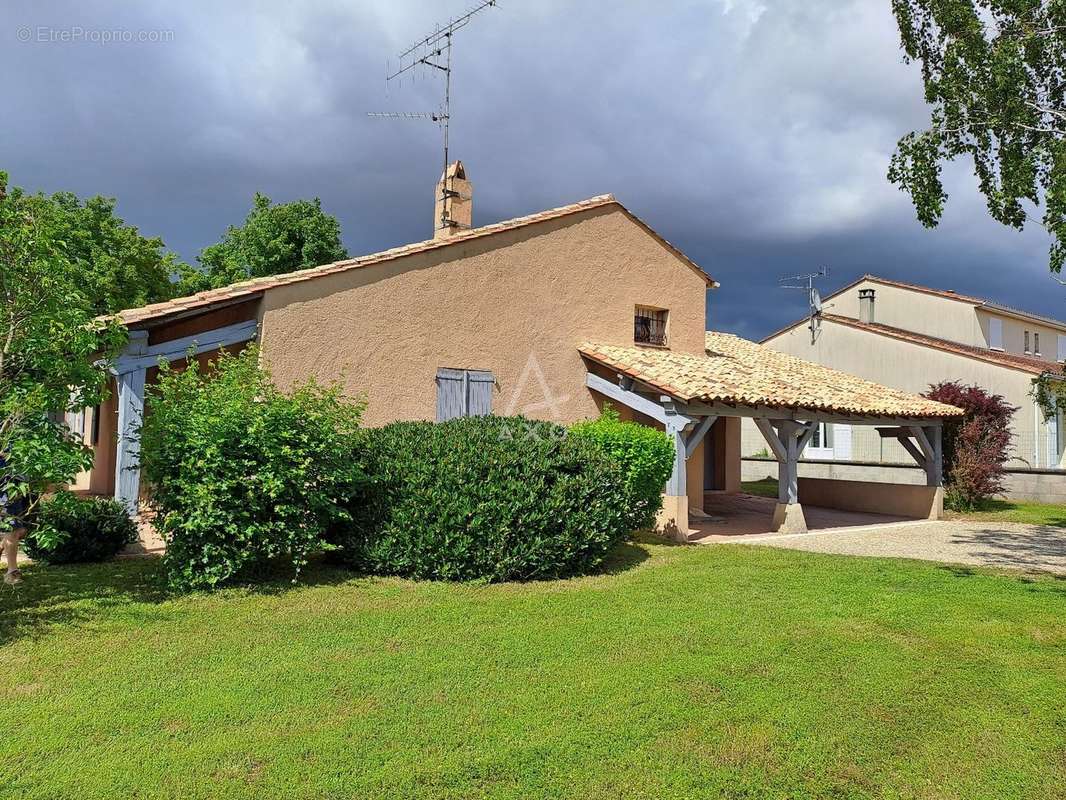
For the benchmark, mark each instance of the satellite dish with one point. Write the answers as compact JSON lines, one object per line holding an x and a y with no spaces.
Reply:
{"x":816,"y":301}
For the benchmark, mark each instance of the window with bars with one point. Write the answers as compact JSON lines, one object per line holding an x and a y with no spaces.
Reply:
{"x":649,"y":325}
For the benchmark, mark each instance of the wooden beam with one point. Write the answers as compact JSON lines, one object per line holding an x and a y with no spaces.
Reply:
{"x":637,"y":402}
{"x":771,"y":437}
{"x":677,"y":485}
{"x":127,"y":459}
{"x":923,"y":442}
{"x":697,"y":435}
{"x":800,"y":415}
{"x":149,"y":356}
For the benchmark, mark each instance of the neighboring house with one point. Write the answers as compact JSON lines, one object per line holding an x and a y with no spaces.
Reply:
{"x":548,"y":315}
{"x":909,"y":337}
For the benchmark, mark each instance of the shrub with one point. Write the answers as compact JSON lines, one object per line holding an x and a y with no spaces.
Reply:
{"x":240,"y":473}
{"x":486,"y":498}
{"x":68,"y":529}
{"x":976,"y":446}
{"x":646,"y":456}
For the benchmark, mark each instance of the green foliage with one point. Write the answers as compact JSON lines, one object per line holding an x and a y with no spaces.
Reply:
{"x":241,"y":473}
{"x":646,"y":456}
{"x":51,"y":350}
{"x":485,"y":498}
{"x":993,"y":76}
{"x":70,"y":529}
{"x":273,"y":240}
{"x":115,"y":267}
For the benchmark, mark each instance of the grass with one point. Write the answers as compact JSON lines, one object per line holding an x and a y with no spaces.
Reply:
{"x":1016,"y":511}
{"x":765,"y":487}
{"x":680,"y":672}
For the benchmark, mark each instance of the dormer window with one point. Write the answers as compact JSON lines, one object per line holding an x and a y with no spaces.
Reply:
{"x":649,"y":325}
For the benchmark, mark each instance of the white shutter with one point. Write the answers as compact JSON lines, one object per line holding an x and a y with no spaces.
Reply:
{"x":995,"y":333}
{"x":1062,"y":348}
{"x":842,"y":442}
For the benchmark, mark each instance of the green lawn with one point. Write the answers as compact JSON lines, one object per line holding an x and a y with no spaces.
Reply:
{"x":765,"y":487}
{"x":682,"y":672}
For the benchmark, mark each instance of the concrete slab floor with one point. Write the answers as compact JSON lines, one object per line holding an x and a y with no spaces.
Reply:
{"x":733,"y":515}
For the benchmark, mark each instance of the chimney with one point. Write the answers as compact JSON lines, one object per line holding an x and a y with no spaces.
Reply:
{"x":866,"y":305}
{"x":453,"y":210}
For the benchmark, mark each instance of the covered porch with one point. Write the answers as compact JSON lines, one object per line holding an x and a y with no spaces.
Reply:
{"x":788,"y":399}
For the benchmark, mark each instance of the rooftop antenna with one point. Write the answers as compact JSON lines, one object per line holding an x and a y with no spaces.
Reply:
{"x":814,"y":299}
{"x":434,"y":51}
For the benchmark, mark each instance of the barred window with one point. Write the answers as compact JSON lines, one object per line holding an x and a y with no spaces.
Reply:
{"x":649,"y":325}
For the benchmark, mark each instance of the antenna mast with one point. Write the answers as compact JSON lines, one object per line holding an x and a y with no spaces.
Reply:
{"x":814,"y":300}
{"x":430,"y":51}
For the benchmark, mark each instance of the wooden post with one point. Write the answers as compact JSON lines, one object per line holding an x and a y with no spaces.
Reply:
{"x":127,"y":459}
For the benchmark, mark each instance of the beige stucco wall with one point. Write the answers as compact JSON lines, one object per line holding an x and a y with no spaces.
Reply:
{"x":518,"y":304}
{"x":913,"y":368}
{"x":912,"y":311}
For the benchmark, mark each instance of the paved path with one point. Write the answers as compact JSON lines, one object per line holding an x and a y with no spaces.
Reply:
{"x":988,"y":544}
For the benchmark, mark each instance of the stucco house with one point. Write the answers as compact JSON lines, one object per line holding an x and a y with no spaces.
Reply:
{"x":910,"y":336}
{"x":549,"y":315}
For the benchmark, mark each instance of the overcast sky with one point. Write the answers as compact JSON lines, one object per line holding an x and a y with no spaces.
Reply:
{"x":753,"y":135}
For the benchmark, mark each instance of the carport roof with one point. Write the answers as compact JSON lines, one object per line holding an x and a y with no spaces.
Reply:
{"x":736,"y":371}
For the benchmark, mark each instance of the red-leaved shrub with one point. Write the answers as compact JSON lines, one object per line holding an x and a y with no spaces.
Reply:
{"x":976,"y":445}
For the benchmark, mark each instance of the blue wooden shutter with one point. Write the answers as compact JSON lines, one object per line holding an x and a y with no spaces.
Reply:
{"x":451,"y":394}
{"x":463,"y":393}
{"x":479,"y":392}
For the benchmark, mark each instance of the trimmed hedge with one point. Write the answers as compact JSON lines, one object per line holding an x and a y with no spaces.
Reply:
{"x":645,"y":454}
{"x":242,"y":474}
{"x":485,"y":498}
{"x":68,"y":529}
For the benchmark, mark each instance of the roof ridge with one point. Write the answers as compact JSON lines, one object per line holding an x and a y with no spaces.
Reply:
{"x":254,"y":285}
{"x":1004,"y":359}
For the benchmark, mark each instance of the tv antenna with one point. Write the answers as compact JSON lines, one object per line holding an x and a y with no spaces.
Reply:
{"x":434,"y":52}
{"x":814,"y":299}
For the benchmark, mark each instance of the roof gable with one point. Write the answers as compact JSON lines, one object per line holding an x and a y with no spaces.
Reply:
{"x":257,"y":286}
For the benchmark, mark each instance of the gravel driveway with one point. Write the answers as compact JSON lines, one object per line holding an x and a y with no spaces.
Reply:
{"x":987,"y":544}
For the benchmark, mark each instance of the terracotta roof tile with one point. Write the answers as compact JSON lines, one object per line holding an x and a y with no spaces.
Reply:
{"x":256,"y":286}
{"x":1036,"y":366}
{"x":739,"y":372}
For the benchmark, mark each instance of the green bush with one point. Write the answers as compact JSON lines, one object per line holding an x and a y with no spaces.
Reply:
{"x":241,"y":474}
{"x":485,"y":498}
{"x":68,"y":529}
{"x":645,"y":454}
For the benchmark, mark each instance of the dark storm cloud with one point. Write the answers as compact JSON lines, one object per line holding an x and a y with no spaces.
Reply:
{"x":755,"y":135}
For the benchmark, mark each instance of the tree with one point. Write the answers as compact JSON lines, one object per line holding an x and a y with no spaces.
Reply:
{"x":995,"y":75}
{"x":113,"y":265}
{"x":51,"y":347}
{"x":976,"y":446}
{"x":273,"y":240}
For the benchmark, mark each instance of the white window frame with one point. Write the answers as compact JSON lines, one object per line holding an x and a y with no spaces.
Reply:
{"x":824,"y":437}
{"x":1036,"y":343}
{"x":1061,"y":354}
